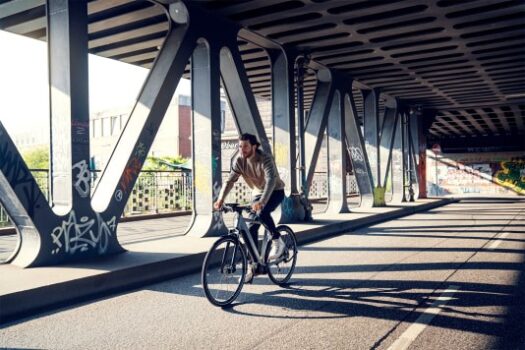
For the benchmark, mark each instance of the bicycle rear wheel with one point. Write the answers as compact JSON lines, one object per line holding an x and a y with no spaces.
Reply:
{"x":223,"y":271}
{"x":281,"y":270}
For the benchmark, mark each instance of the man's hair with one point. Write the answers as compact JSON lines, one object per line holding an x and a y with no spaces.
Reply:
{"x":251,"y":138}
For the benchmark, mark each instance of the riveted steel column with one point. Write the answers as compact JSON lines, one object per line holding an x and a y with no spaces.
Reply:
{"x":238,"y":91}
{"x":125,"y":163}
{"x":336,"y":157}
{"x":371,"y":132}
{"x":404,"y":149}
{"x":413,"y":189}
{"x":356,"y":150}
{"x":49,"y":239}
{"x":69,"y":102}
{"x":26,"y":205}
{"x":313,"y":134}
{"x":206,"y":137}
{"x":387,"y":141}
{"x":421,"y":149}
{"x":397,"y":161}
{"x":284,"y":140}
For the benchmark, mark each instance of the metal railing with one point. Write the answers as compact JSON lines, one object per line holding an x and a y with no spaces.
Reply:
{"x":167,"y":191}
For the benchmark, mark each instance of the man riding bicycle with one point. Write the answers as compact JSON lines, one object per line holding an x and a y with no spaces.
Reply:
{"x":259,"y":171}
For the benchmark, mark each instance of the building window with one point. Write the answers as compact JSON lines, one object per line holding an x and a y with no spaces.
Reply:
{"x":184,"y":100}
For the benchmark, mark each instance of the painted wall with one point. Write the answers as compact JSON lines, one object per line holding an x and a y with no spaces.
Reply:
{"x":490,"y":173}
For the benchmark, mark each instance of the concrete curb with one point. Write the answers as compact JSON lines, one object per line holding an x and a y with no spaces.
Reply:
{"x":54,"y":295}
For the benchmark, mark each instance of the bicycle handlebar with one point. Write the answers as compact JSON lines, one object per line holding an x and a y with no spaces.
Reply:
{"x":234,"y":207}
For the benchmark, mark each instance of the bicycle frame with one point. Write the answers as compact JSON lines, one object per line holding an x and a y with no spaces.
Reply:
{"x":241,"y":225}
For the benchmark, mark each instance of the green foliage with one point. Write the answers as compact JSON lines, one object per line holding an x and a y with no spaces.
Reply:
{"x":163,"y":163}
{"x":37,"y":158}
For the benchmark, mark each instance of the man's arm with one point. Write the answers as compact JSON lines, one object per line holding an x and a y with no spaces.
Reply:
{"x":232,"y":179}
{"x":270,"y":175}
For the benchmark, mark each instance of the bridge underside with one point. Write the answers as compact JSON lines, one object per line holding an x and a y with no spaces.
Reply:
{"x":381,"y":79}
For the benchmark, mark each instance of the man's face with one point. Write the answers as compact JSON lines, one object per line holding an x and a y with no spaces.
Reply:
{"x":246,"y":149}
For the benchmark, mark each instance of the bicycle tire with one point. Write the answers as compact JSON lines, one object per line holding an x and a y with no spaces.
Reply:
{"x":281,"y":273}
{"x":218,"y":268}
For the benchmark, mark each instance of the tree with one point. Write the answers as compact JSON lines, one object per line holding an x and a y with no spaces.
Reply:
{"x":163,"y":163}
{"x":37,"y":158}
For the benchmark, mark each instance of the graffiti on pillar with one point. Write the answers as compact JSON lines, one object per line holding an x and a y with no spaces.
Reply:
{"x":130,"y":173}
{"x":281,"y":153}
{"x":217,"y":222}
{"x":118,"y":195}
{"x":17,"y":174}
{"x":80,"y":131}
{"x":356,"y":154}
{"x":141,"y":150}
{"x":79,"y":235}
{"x":82,"y":179}
{"x":512,"y":175}
{"x":202,"y":177}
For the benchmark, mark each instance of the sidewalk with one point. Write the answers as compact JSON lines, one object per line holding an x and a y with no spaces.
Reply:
{"x":24,"y":292}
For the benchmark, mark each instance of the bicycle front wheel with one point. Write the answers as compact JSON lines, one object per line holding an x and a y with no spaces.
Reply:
{"x":223,"y":271}
{"x":281,"y":270}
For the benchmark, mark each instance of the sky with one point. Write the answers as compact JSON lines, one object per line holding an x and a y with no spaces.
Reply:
{"x":24,"y":91}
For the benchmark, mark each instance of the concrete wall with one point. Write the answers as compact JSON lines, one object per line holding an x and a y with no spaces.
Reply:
{"x":489,"y":173}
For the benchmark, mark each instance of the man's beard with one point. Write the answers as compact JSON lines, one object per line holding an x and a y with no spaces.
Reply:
{"x":248,"y":155}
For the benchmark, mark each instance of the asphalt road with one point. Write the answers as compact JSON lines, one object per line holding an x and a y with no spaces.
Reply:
{"x":450,"y":278}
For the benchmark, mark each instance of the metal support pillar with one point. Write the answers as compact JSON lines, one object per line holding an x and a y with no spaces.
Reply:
{"x":67,"y":23}
{"x":85,"y":231}
{"x":238,"y":92}
{"x":387,"y":141}
{"x":206,"y":128}
{"x":404,"y":151}
{"x":397,"y":161}
{"x":313,"y":134}
{"x":284,"y":140}
{"x":414,"y":151}
{"x":336,"y":157}
{"x":121,"y":172}
{"x":371,"y":133}
{"x":356,"y":150}
{"x":421,"y":148}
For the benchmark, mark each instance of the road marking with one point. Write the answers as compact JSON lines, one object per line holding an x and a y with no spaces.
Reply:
{"x":498,"y":241}
{"x":412,"y":332}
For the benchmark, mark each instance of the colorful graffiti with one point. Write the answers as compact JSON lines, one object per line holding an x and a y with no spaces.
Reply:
{"x":480,"y":173}
{"x":512,"y":175}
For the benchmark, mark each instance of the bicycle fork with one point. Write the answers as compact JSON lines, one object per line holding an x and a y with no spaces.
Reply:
{"x":231,"y":267}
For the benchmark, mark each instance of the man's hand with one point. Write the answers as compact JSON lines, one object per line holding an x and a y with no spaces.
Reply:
{"x":257,"y":207}
{"x":218,"y":204}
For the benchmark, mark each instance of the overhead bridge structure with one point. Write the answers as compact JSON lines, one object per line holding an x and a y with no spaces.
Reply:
{"x":383,"y":79}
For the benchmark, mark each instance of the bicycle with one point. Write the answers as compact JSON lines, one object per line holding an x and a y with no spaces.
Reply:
{"x":225,"y":265}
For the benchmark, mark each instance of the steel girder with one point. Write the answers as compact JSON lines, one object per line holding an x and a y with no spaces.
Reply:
{"x":357,"y":152}
{"x":333,"y":104}
{"x":337,"y":202}
{"x":398,"y":161}
{"x":87,"y":226}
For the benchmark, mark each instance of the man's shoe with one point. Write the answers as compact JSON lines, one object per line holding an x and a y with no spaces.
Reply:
{"x":278,"y":247}
{"x":250,"y":273}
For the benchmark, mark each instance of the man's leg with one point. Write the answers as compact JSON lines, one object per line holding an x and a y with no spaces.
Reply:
{"x":275,"y":199}
{"x":254,"y":228}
